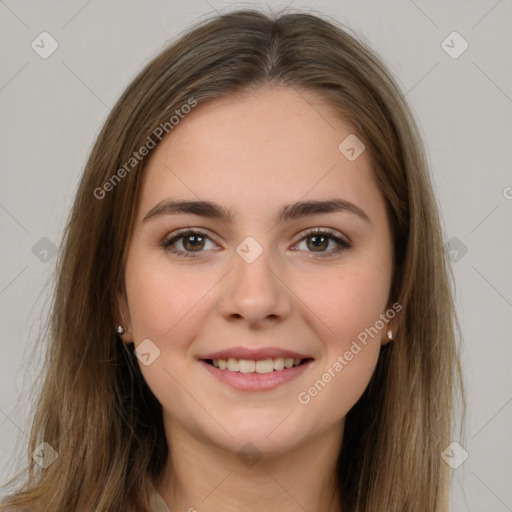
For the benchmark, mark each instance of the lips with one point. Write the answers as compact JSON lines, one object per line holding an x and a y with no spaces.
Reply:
{"x":254,"y":354}
{"x":261,"y":369}
{"x":256,"y":382}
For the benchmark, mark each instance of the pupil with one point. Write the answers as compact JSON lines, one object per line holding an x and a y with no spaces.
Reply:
{"x":198,"y":240}
{"x":322,"y":238}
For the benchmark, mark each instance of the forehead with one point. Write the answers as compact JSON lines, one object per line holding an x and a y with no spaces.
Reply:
{"x":274,"y":145}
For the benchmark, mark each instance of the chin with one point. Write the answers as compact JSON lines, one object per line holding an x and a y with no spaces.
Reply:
{"x":272,"y":437}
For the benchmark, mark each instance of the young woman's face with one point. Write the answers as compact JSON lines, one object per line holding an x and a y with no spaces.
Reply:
{"x":257,"y":285}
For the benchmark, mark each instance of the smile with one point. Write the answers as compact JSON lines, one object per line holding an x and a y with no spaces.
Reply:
{"x":261,"y":366}
{"x":260,"y":375}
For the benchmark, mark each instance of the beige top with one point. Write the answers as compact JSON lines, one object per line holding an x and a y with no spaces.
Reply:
{"x":158,"y":504}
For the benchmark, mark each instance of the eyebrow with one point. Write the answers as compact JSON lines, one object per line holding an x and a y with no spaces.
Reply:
{"x":288,"y":212}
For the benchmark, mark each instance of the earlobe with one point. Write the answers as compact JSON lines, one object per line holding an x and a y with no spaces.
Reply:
{"x":389,"y":333}
{"x":123,"y":327}
{"x":122,"y":334}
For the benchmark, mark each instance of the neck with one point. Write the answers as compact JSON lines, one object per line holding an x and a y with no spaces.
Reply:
{"x":201,"y":476}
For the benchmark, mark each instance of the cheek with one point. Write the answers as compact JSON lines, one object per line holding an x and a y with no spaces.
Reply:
{"x":337,"y":387}
{"x":347,"y":300}
{"x":350,"y":305}
{"x":161,"y":297}
{"x":165,"y":302}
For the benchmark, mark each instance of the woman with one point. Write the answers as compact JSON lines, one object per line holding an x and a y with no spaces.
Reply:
{"x":253,"y":307}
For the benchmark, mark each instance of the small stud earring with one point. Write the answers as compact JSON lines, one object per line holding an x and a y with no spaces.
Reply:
{"x":390,"y":335}
{"x":120,"y":329}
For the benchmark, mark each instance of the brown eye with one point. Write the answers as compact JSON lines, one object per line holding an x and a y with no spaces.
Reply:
{"x":190,"y":244}
{"x":186,"y":243}
{"x":318,"y":240}
{"x":193,"y":242}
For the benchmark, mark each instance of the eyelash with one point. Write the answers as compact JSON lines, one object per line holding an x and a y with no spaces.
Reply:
{"x":343,"y":245}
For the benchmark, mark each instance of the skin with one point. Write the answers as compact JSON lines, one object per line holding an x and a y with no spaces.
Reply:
{"x":253,"y":155}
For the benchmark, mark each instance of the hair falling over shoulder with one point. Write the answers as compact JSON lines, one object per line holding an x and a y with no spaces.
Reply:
{"x":94,"y":408}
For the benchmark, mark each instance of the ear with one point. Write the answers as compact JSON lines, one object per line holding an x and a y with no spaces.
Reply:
{"x":123,"y":317}
{"x":392,"y":317}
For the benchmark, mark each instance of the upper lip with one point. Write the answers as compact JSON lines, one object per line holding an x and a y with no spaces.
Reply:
{"x":254,"y":354}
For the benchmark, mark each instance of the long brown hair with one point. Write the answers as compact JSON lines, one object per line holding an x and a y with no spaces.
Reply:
{"x":95,"y":409}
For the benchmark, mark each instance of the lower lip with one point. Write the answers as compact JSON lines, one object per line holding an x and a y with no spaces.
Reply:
{"x":257,"y":381}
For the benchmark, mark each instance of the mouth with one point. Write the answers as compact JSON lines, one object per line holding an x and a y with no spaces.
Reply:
{"x":256,"y":370}
{"x":267,"y":365}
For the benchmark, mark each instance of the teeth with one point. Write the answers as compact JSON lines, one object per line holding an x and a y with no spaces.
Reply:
{"x":261,"y":366}
{"x":264,"y":366}
{"x":246,"y":366}
{"x":278,"y":363}
{"x":233,"y":365}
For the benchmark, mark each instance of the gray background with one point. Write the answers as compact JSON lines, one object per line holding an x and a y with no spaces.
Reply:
{"x":53,"y":108}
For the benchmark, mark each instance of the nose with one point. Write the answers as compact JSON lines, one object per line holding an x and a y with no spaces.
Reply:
{"x":255,"y":293}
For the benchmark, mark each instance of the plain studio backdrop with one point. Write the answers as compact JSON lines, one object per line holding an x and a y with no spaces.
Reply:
{"x":64,"y":65}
